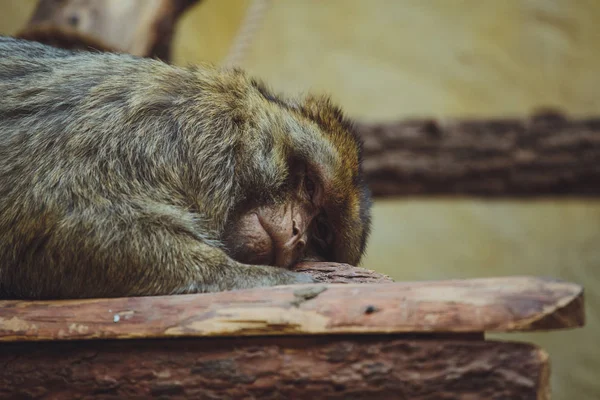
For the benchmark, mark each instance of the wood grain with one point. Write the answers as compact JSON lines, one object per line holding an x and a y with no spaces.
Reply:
{"x":140,"y":27}
{"x":545,"y":155}
{"x":477,"y":305}
{"x":341,"y":273}
{"x":326,"y":367}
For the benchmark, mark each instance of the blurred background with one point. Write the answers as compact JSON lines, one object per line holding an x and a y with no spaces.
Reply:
{"x":389,"y":60}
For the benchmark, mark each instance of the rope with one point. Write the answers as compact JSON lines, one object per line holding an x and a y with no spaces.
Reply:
{"x":254,"y":16}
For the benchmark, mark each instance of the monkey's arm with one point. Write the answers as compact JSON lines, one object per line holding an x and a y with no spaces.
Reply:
{"x":170,"y":258}
{"x":124,"y":251}
{"x":212,"y":270}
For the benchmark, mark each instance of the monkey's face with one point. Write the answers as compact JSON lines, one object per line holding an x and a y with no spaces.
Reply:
{"x":322,"y":211}
{"x":286,"y":230}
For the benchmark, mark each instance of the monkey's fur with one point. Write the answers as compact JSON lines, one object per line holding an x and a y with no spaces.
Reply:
{"x":124,"y":176}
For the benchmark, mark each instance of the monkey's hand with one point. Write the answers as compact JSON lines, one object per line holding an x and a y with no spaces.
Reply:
{"x":144,"y":257}
{"x":234,"y":275}
{"x":190,"y":265}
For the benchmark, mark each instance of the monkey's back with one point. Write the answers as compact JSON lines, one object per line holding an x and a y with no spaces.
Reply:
{"x":74,"y":121}
{"x":95,"y":133}
{"x":62,"y":110}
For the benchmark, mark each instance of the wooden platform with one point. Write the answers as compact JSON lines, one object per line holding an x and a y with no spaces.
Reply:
{"x":419,"y":340}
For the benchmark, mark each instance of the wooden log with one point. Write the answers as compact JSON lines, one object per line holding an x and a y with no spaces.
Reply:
{"x":476,"y":305}
{"x":140,"y":27}
{"x":546,"y":155}
{"x":329,"y":367}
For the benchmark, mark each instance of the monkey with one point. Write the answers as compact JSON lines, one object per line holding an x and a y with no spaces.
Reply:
{"x":126,"y":176}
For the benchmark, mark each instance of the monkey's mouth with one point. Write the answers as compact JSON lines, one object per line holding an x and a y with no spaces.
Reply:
{"x":283,"y":251}
{"x":271,"y":254}
{"x":253,"y":244}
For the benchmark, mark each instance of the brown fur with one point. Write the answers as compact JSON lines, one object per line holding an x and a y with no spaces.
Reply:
{"x":123,"y":176}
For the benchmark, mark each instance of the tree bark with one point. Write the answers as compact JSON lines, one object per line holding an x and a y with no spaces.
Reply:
{"x":140,"y":27}
{"x":463,"y":306}
{"x":546,"y":155}
{"x":341,"y":273}
{"x":330,"y":367}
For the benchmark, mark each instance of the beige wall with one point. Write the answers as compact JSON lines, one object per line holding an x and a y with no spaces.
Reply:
{"x":404,"y":58}
{"x":385,"y":59}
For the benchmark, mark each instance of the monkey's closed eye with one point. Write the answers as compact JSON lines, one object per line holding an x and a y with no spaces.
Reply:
{"x":310,"y":187}
{"x":323,"y":234}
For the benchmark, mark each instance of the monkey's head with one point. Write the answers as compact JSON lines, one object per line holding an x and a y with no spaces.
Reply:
{"x":316,"y":205}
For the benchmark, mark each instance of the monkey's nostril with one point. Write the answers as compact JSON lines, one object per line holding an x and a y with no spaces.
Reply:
{"x":73,"y":20}
{"x":295,"y":230}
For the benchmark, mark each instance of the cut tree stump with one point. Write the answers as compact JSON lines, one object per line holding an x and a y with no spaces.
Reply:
{"x":140,"y":27}
{"x":419,"y":340}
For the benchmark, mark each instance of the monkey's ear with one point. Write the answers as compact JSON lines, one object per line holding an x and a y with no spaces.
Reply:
{"x":327,"y":115}
{"x":338,"y":129}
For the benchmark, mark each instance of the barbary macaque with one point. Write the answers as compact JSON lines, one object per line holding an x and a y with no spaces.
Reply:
{"x":126,"y":176}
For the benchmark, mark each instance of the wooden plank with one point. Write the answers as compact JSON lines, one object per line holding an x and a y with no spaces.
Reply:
{"x":326,"y":367}
{"x":476,"y":305}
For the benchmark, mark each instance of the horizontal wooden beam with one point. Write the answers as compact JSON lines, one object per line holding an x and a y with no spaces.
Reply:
{"x":545,"y":155}
{"x":332,"y":367}
{"x":476,"y":305}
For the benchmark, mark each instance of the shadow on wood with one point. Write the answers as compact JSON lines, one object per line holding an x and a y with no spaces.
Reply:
{"x":368,"y":367}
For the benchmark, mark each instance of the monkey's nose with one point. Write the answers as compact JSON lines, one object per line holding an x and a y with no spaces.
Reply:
{"x":298,"y":240}
{"x":295,"y":230}
{"x":293,"y":250}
